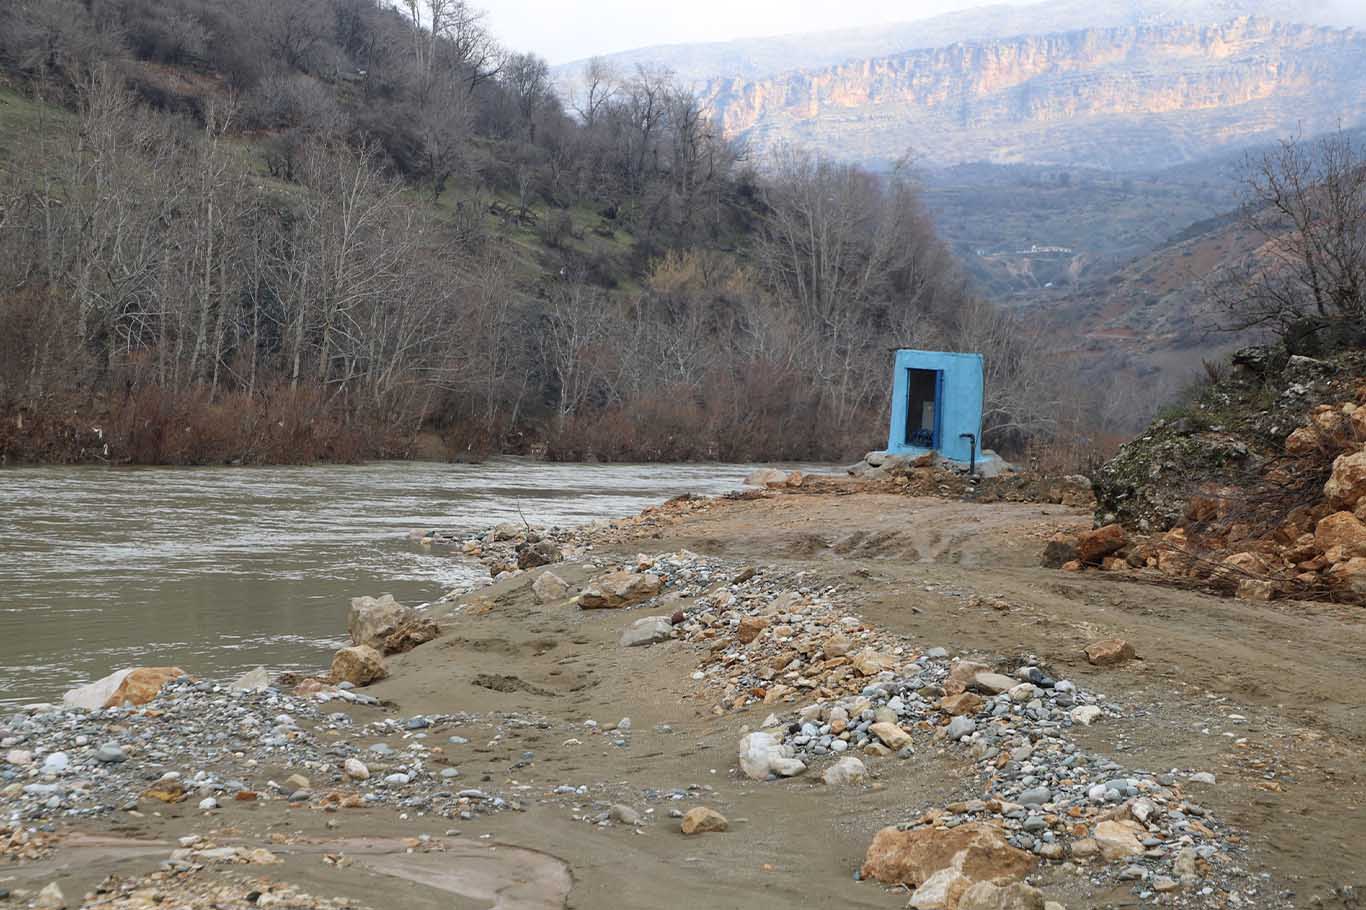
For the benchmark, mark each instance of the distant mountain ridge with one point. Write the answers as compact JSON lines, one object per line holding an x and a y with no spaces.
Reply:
{"x":1131,"y":97}
{"x":757,"y":58}
{"x":1075,"y":153}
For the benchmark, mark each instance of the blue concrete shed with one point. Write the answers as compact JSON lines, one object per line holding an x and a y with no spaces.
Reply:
{"x":936,"y":405}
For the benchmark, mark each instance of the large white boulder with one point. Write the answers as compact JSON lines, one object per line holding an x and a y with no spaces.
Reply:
{"x":550,"y":588}
{"x":92,"y":696}
{"x":761,"y":756}
{"x":372,"y":619}
{"x":648,"y":631}
{"x":620,"y":589}
{"x":133,"y":686}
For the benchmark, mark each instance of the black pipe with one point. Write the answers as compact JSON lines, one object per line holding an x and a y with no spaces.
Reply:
{"x":972,"y":461}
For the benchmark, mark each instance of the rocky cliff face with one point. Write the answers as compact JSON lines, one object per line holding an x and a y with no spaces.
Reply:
{"x":1132,"y":97}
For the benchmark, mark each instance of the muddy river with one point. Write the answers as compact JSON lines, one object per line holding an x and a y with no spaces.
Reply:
{"x":222,"y":569}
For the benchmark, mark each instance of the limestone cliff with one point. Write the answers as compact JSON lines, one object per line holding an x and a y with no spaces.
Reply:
{"x":1130,"y":97}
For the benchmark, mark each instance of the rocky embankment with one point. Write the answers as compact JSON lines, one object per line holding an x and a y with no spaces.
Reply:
{"x":1258,"y":488}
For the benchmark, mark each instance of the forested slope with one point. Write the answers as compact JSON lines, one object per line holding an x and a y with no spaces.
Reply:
{"x":286,"y":230}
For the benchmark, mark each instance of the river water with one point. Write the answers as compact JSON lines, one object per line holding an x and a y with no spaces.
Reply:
{"x":219,"y":570}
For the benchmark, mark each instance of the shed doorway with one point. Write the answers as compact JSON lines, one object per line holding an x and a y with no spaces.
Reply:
{"x":924,"y":388}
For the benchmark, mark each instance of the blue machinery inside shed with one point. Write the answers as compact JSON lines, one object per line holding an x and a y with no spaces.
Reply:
{"x":937,"y":405}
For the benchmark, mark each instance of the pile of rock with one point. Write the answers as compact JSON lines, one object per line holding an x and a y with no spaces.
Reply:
{"x":1046,"y":797}
{"x":378,"y":627}
{"x":511,"y":548}
{"x":1259,"y":491}
{"x":1318,"y":548}
{"x":205,"y":743}
{"x":508,"y":549}
{"x":1105,"y":547}
{"x":844,"y":693}
{"x":25,"y":845}
{"x":185,"y":887}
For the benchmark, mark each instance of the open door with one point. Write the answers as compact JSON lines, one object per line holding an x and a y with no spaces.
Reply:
{"x":924,"y":420}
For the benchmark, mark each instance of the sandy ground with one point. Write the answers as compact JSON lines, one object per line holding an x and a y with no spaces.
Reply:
{"x":1292,"y":780}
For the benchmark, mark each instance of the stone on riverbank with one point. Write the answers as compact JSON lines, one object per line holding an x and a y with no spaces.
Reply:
{"x":960,"y":727}
{"x":892,"y":736}
{"x":848,"y":770}
{"x":940,"y":891}
{"x":359,"y":665}
{"x":134,"y":686}
{"x":414,"y":631}
{"x":371,"y":619}
{"x":1110,"y":652}
{"x":774,"y":479}
{"x":703,"y":820}
{"x":549,"y":588}
{"x":962,"y":703}
{"x":978,"y":852}
{"x":762,"y":755}
{"x":648,"y":631}
{"x":387,"y":626}
{"x":870,"y":662}
{"x":1118,"y":840}
{"x":616,"y":590}
{"x":50,"y":898}
{"x":750,"y":628}
{"x":961,"y":674}
{"x":252,"y":681}
{"x":535,"y":555}
{"x":987,"y":896}
{"x":1060,"y":550}
{"x":1093,"y":546}
{"x":1347,"y":485}
{"x":166,"y":790}
{"x":990,"y":683}
{"x":1086,"y":715}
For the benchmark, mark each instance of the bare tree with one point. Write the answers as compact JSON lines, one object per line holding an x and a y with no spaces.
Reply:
{"x":293,"y":30}
{"x":55,"y":39}
{"x":444,"y":130}
{"x":453,"y":33}
{"x":1025,"y":384}
{"x":575,"y":345}
{"x":1306,"y":202}
{"x":493,"y":351}
{"x":527,"y":77}
{"x":644,"y":105}
{"x":293,"y":101}
{"x":598,"y":85}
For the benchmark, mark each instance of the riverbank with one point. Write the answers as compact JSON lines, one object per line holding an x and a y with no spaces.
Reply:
{"x":223,"y":569}
{"x":573,"y":754}
{"x":307,"y":425}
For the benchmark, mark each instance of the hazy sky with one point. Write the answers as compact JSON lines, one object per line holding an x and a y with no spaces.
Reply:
{"x":564,"y":30}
